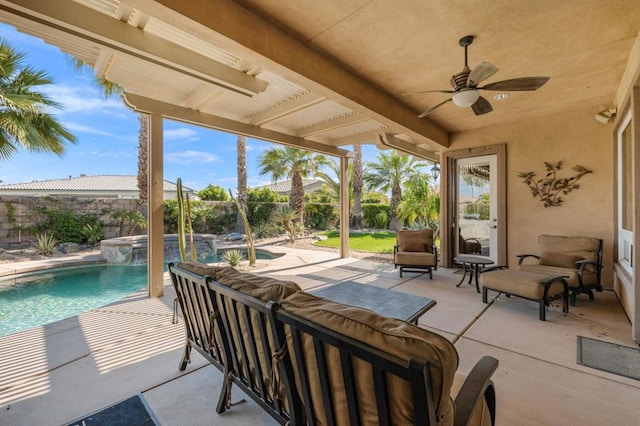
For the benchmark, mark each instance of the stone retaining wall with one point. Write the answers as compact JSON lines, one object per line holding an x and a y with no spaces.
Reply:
{"x":18,"y":214}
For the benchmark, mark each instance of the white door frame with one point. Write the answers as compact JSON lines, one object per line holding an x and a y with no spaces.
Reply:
{"x":448,"y":233}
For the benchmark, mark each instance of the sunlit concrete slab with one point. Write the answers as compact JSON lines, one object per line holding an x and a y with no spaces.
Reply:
{"x":83,"y":364}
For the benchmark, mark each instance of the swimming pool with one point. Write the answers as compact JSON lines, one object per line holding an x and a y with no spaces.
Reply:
{"x":40,"y":298}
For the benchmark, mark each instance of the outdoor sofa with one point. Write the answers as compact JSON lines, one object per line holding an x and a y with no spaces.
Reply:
{"x":309,"y":360}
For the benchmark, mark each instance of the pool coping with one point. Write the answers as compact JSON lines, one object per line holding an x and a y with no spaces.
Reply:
{"x":79,"y":259}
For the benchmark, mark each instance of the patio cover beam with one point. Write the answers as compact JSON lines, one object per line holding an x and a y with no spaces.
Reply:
{"x":174,"y":112}
{"x":391,"y":141}
{"x":236,"y":29}
{"x":77,"y":20}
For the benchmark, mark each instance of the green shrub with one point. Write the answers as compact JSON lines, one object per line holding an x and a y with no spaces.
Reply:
{"x":62,"y":224}
{"x":205,"y":218}
{"x":93,"y":233}
{"x":213,"y":193}
{"x":320,"y":216}
{"x":370,"y":211}
{"x":381,"y":221}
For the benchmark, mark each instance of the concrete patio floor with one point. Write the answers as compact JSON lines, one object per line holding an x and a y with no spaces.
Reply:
{"x":60,"y":372}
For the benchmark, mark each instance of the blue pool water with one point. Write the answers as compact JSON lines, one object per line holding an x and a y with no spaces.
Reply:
{"x":40,"y":298}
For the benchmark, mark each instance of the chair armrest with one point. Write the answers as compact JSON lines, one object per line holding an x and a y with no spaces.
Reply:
{"x":493,"y":268}
{"x":395,"y":248}
{"x":472,"y":239}
{"x":522,"y":257}
{"x":477,"y":384}
{"x":581,"y":264}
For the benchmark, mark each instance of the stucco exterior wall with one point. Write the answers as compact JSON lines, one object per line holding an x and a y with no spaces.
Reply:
{"x":574,"y":138}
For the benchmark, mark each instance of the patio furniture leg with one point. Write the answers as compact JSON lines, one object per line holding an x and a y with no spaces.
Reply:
{"x":484,"y":295}
{"x":186,"y":357}
{"x":464,"y":269}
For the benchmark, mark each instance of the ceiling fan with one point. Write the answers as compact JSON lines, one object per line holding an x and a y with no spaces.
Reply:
{"x":466,"y":90}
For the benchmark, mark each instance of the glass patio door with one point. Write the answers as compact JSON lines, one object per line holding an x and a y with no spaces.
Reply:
{"x":625,"y":195}
{"x":476,"y":206}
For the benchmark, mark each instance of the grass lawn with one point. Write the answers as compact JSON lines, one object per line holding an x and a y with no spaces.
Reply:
{"x":375,"y":242}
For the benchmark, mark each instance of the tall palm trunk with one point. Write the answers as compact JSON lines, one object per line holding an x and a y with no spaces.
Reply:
{"x":296,"y":197}
{"x":241,"y":148}
{"x":143,"y":157}
{"x":396,"y":198}
{"x":357,"y":187}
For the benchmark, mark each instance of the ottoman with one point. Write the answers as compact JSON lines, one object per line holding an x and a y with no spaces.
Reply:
{"x":541,"y":288}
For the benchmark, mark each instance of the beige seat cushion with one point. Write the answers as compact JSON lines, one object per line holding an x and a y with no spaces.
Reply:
{"x":588,"y":277}
{"x":394,"y":336}
{"x":519,"y":283}
{"x":415,"y":258}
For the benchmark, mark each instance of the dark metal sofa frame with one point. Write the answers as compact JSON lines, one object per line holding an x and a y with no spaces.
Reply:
{"x":211,"y":310}
{"x":206,"y":303}
{"x":383,"y":365}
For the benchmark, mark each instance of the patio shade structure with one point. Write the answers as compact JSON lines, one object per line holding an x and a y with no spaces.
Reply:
{"x":326,"y":75}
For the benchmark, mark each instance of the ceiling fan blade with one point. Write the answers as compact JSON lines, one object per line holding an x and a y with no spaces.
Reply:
{"x":483,"y":71}
{"x":517,"y":84}
{"x":434,"y":108}
{"x":432,"y":91}
{"x":481,"y":106}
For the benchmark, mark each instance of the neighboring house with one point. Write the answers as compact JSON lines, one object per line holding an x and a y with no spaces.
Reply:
{"x":100,"y":186}
{"x":284,"y":187}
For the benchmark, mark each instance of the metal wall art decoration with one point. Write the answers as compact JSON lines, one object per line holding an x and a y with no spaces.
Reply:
{"x":550,"y":188}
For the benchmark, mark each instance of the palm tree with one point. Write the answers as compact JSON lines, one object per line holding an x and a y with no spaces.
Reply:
{"x":388,"y":174}
{"x":420,"y":202}
{"x":24,"y":118}
{"x":241,"y":197}
{"x":357,"y":187}
{"x":294,"y":164}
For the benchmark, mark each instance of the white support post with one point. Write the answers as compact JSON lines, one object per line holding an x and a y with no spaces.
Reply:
{"x":155,"y":221}
{"x":344,"y":207}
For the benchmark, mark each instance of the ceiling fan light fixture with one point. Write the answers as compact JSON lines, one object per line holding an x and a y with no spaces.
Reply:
{"x":466,"y":98}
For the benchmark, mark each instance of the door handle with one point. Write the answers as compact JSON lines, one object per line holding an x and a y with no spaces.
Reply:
{"x":494,"y":227}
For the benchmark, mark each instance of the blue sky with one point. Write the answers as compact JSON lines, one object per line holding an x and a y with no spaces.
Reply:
{"x":107,"y":134}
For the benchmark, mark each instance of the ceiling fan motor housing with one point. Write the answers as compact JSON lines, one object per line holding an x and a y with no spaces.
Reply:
{"x":459,"y":81}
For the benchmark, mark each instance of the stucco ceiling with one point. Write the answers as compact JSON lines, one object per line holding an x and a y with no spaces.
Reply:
{"x":327,"y":74}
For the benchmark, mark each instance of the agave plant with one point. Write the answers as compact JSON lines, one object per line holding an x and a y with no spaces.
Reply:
{"x":233,"y":257}
{"x":45,"y":244}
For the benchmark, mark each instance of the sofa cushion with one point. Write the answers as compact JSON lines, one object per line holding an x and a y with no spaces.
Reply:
{"x":263,"y":288}
{"x":394,"y":336}
{"x":584,"y":247}
{"x":203,"y":269}
{"x":559,"y":259}
{"x":415,"y":258}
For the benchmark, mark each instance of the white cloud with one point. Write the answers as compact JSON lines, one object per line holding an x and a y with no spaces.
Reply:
{"x":77,"y":127}
{"x":77,"y":99}
{"x":191,"y":157}
{"x":182,"y":134}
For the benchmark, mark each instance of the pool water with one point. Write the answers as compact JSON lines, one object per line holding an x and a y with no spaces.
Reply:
{"x":40,"y":298}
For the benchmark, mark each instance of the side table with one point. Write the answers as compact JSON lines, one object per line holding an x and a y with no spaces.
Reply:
{"x":473,"y":264}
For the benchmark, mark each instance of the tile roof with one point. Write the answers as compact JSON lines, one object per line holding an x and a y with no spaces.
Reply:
{"x":284,"y":186}
{"x":104,"y":183}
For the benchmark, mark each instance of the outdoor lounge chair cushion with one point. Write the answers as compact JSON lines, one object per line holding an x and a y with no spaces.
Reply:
{"x":415,"y":241}
{"x":558,"y":256}
{"x":394,"y":336}
{"x":559,"y":259}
